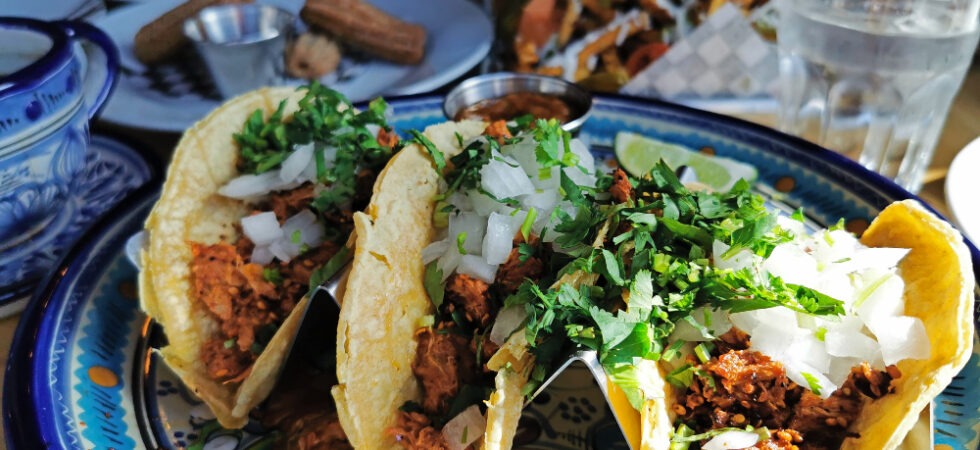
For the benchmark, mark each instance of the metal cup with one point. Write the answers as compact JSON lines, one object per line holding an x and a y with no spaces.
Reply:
{"x":242,"y":45}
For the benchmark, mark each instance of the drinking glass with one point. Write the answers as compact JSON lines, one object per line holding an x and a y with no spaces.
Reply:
{"x":874,"y":79}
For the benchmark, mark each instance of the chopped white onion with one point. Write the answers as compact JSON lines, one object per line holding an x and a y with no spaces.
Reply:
{"x":543,"y":202}
{"x":585,"y":158}
{"x":434,"y":250}
{"x":499,"y":240}
{"x":262,"y":228}
{"x":262,"y":255}
{"x":296,"y":162}
{"x":811,"y":351}
{"x":792,"y":264}
{"x":277,"y":250}
{"x":848,"y":343}
{"x":740,"y":260}
{"x":476,"y":267}
{"x":502,"y":180}
{"x":808,"y":376}
{"x":579,"y":177}
{"x":249,"y":185}
{"x":902,"y":338}
{"x":730,"y":440}
{"x":448,"y":262}
{"x":465,"y":428}
{"x":473,"y":225}
{"x":484,"y":205}
{"x":508,"y":320}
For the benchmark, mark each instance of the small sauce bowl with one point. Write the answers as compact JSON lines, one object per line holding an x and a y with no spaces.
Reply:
{"x":538,"y":95}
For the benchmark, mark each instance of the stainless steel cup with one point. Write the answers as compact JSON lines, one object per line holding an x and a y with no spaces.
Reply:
{"x":242,"y":45}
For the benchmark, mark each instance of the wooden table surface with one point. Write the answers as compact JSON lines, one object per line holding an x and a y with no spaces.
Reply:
{"x":962,"y":126}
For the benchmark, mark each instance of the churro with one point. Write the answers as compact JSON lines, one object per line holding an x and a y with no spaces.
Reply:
{"x":367,"y":28}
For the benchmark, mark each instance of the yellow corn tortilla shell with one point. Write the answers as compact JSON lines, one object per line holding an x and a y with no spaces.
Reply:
{"x":939,"y":284}
{"x":191,"y":210}
{"x":386,"y":299}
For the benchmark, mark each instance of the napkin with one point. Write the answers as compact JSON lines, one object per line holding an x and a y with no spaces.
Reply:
{"x":723,"y":57}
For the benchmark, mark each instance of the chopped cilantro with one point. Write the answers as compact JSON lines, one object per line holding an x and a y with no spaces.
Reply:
{"x":437,"y":157}
{"x":813,"y":382}
{"x":532,"y":215}
{"x":461,"y":242}
{"x":433,"y":284}
{"x":272,"y":275}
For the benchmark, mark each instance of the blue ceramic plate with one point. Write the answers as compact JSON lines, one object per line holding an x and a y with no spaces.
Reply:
{"x":82,"y":376}
{"x":112,"y":170}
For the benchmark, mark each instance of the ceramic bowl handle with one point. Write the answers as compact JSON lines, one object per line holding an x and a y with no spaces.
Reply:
{"x":102,"y":66}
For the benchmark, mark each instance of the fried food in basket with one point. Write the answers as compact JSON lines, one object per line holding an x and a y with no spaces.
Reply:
{"x":599,"y":44}
{"x":367,"y":28}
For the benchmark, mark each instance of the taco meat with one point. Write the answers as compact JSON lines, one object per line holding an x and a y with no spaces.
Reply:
{"x":517,"y":268}
{"x":244,"y":297}
{"x":621,"y":189}
{"x":739,"y":387}
{"x":414,"y":431}
{"x":472,"y":296}
{"x":444,"y":361}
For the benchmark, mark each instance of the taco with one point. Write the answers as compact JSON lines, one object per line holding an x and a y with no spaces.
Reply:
{"x":255,"y":211}
{"x":907,"y":330}
{"x":660,"y":280}
{"x":458,"y":222}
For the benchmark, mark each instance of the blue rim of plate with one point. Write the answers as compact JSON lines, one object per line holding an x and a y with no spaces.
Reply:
{"x":29,"y":427}
{"x":98,"y":191}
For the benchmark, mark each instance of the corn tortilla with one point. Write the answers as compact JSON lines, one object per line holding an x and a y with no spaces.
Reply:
{"x":191,"y":210}
{"x":939,"y":282}
{"x":385,"y":298}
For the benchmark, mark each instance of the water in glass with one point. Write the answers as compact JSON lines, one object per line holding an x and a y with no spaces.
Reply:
{"x":874,"y":79}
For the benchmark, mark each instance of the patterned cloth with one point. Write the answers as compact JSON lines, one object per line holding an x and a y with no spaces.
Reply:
{"x":723,"y":57}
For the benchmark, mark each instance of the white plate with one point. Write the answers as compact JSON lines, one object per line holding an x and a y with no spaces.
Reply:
{"x":459,"y":37}
{"x":50,"y":10}
{"x":962,"y":186}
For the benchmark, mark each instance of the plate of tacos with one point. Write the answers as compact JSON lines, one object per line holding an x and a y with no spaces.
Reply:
{"x":507,"y":286}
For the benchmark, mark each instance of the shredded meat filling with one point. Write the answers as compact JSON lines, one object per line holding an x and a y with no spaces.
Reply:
{"x":289,"y":203}
{"x":621,"y":189}
{"x":239,"y":297}
{"x":414,"y":431}
{"x":472,"y":296}
{"x":513,"y":272}
{"x":498,"y":130}
{"x":740,"y":387}
{"x":443,"y":362}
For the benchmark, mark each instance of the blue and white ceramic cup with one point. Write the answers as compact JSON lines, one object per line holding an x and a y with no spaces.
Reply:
{"x":54,"y":78}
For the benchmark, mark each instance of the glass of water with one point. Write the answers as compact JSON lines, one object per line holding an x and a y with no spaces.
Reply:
{"x":874,"y":79}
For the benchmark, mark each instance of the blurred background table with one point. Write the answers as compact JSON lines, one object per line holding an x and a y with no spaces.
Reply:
{"x":962,"y":126}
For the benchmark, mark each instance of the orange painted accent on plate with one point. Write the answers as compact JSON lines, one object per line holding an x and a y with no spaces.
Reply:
{"x":943,"y":447}
{"x":102,"y":376}
{"x":629,"y":418}
{"x":785,"y":184}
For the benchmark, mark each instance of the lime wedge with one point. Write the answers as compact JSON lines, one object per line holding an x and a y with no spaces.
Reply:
{"x":638,"y":154}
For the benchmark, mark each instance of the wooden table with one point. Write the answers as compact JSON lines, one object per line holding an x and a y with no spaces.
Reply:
{"x":962,"y":126}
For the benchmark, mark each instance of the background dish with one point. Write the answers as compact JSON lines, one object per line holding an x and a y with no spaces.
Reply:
{"x":77,"y":376}
{"x":112,"y":170}
{"x":172,"y":98}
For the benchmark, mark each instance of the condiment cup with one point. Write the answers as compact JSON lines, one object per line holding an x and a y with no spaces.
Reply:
{"x":495,"y":85}
{"x":54,"y":79}
{"x":242,"y":45}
